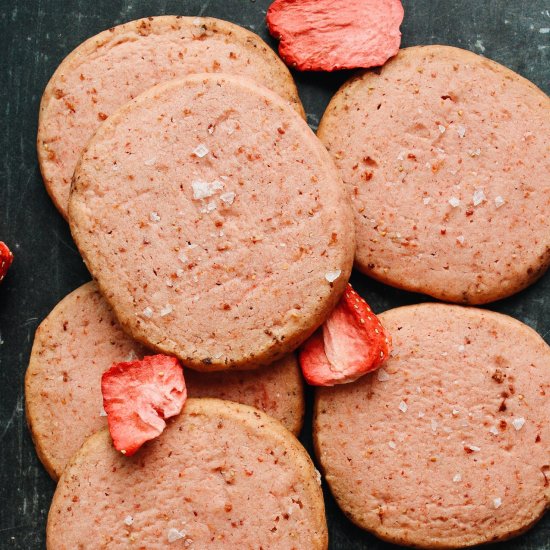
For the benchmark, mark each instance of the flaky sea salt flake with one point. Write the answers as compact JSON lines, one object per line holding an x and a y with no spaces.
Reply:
{"x":478,"y":197}
{"x":426,"y":200}
{"x":403,"y":407}
{"x":382,"y":375}
{"x":331,"y":276}
{"x":102,"y":412}
{"x":499,"y":201}
{"x":210,"y":207}
{"x":461,"y":130}
{"x":392,"y":445}
{"x":518,"y":423}
{"x":148,"y":312}
{"x":497,"y":502}
{"x":203,"y":189}
{"x":128,"y":520}
{"x":228,"y":197}
{"x":154,"y":217}
{"x":454,"y":202}
{"x":457,"y":478}
{"x":201,"y":150}
{"x":166,"y":310}
{"x":318,"y":476}
{"x":150,"y":162}
{"x":174,"y":535}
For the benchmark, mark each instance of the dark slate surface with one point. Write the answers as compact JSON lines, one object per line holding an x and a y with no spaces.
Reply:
{"x":35,"y":35}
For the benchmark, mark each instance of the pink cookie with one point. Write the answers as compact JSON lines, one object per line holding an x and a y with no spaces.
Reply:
{"x":214,"y":221}
{"x":445,"y":155}
{"x":448,"y":445}
{"x":80,"y":339}
{"x":222,"y":475}
{"x":113,"y":67}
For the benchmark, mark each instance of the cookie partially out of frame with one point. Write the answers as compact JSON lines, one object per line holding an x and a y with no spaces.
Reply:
{"x":448,"y":445}
{"x":214,"y":222}
{"x":80,"y":339}
{"x":445,"y":155}
{"x":222,"y":475}
{"x":113,"y":67}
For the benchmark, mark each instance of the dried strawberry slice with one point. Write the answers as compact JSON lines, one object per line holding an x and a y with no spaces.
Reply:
{"x":327,"y":35}
{"x":6,"y":258}
{"x":138,"y":396}
{"x":350,"y":343}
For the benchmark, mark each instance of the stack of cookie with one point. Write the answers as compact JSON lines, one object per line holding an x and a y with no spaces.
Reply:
{"x":219,"y":229}
{"x":445,"y":157}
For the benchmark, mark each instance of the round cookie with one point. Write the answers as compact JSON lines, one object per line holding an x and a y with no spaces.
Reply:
{"x":449,"y":444}
{"x":222,"y":475}
{"x":80,"y":339}
{"x":113,"y":67}
{"x":445,"y":156}
{"x":214,"y":221}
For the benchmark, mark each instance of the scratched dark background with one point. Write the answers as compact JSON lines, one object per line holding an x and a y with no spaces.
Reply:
{"x":35,"y":35}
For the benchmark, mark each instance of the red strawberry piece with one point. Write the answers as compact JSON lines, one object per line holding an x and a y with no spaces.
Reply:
{"x":327,"y":35}
{"x":6,"y":258}
{"x":138,"y":396}
{"x":349,"y":344}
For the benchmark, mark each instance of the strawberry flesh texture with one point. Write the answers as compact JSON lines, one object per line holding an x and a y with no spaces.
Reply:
{"x":350,"y":343}
{"x":138,"y":396}
{"x":6,"y":258}
{"x":328,"y":35}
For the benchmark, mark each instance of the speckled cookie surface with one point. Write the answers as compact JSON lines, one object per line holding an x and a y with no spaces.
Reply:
{"x":113,"y":67}
{"x":445,"y":156}
{"x":214,"y":221}
{"x":449,"y":445}
{"x":277,"y":389}
{"x":80,"y":339}
{"x":222,"y":475}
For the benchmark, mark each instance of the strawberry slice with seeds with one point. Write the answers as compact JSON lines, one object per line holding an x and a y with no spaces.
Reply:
{"x":6,"y":258}
{"x":328,"y":35}
{"x":351,"y":343}
{"x":138,"y":396}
